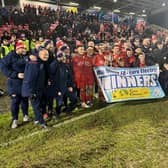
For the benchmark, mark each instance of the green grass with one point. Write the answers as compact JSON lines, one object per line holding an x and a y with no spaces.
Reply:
{"x":127,"y":135}
{"x":2,"y":81}
{"x":4,"y":101}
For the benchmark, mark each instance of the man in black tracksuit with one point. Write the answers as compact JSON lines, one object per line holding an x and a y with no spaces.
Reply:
{"x":61,"y":83}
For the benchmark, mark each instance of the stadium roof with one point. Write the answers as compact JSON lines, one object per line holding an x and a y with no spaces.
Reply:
{"x":125,"y":6}
{"x":138,"y":7}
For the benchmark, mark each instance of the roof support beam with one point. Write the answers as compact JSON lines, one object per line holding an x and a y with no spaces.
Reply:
{"x":159,"y":10}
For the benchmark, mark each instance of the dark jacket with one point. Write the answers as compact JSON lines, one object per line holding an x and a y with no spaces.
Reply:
{"x":148,"y":62}
{"x":60,"y":77}
{"x":11,"y":65}
{"x":35,"y":78}
{"x":160,"y":56}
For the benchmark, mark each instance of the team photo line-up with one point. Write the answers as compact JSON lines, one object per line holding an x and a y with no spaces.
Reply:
{"x":44,"y":67}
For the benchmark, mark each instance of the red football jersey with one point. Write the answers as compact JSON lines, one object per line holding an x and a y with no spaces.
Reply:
{"x":99,"y":60}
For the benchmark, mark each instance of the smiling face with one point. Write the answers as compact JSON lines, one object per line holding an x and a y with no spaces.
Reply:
{"x":101,"y":47}
{"x":80,"y":50}
{"x":129,"y":53}
{"x":90,"y":51}
{"x":91,"y":44}
{"x":116,"y":50}
{"x":43,"y":55}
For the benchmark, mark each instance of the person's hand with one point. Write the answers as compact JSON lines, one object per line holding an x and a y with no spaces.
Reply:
{"x":70,"y":89}
{"x":20,"y":75}
{"x":33,"y":58}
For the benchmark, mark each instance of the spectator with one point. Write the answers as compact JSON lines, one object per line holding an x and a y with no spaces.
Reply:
{"x":5,"y":46}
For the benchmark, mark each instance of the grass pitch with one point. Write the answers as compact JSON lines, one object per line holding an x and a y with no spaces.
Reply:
{"x":126,"y":135}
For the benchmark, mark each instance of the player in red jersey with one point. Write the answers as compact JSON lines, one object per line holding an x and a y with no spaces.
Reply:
{"x":101,"y":59}
{"x":87,"y":79}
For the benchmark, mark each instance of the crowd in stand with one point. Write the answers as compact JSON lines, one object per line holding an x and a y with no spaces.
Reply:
{"x":43,"y":65}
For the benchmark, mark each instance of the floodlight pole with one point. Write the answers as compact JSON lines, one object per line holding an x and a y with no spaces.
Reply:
{"x":3,"y":3}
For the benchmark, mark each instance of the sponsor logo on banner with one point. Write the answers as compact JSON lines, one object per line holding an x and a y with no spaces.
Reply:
{"x":122,"y":84}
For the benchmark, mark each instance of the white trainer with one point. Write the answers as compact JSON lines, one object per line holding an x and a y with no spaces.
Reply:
{"x":36,"y":122}
{"x":44,"y":126}
{"x":84,"y":105}
{"x":26,"y":118}
{"x":14,"y":124}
